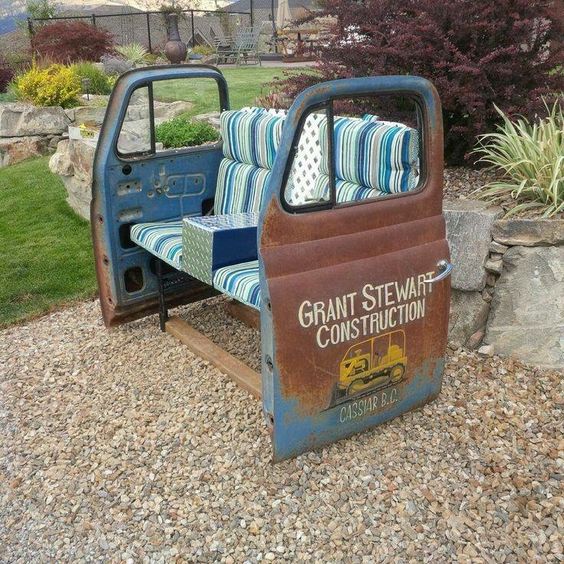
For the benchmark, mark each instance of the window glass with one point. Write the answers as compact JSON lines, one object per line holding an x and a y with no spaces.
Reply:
{"x":135,"y":133}
{"x":307,"y":181}
{"x":369,"y":148}
{"x":185,"y":113}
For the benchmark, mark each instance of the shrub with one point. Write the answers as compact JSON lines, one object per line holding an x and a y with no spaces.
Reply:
{"x":99,"y":81}
{"x":181,"y":132}
{"x":477,"y":53}
{"x":72,"y":41}
{"x":134,"y":53}
{"x":151,"y":58}
{"x":204,"y":50}
{"x":531,"y":160}
{"x":6,"y":75}
{"x":55,"y":85}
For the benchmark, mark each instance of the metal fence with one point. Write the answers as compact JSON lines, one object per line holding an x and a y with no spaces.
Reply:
{"x":197,"y":27}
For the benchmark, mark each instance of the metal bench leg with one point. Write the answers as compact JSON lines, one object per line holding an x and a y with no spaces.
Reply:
{"x":163,"y":311}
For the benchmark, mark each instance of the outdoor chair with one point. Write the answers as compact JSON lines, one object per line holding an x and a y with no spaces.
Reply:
{"x":220,"y":250}
{"x":243,"y":48}
{"x":302,"y":221}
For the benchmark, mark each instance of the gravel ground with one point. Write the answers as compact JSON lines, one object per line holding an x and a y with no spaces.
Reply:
{"x":121,"y":445}
{"x":461,"y":181}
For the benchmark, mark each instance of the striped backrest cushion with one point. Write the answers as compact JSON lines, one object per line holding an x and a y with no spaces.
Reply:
{"x":375,"y":154}
{"x":251,"y":137}
{"x":240,"y":187}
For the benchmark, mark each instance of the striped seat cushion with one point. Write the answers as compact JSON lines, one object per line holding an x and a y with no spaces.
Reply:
{"x":251,"y":137}
{"x":162,"y":239}
{"x":240,"y":187}
{"x":380,"y":155}
{"x":240,"y":281}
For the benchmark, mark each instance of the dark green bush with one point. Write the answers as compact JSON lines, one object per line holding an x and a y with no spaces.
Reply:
{"x":181,"y":132}
{"x":99,"y":80}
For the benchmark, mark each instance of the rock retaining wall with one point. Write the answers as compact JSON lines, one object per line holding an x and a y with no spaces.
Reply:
{"x":73,"y":163}
{"x":30,"y":131}
{"x":526,"y":319}
{"x":27,"y":131}
{"x":508,"y":283}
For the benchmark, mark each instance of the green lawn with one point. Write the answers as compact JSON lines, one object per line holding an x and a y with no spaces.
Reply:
{"x":245,"y":85}
{"x":45,"y":250}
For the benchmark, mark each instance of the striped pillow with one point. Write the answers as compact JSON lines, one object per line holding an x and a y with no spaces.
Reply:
{"x":377,"y":155}
{"x":240,"y":187}
{"x":251,"y":137}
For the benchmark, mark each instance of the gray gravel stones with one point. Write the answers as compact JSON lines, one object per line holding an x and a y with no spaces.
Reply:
{"x":121,"y":445}
{"x":460,"y":182}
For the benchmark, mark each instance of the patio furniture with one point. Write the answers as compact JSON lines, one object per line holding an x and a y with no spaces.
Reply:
{"x":243,"y":48}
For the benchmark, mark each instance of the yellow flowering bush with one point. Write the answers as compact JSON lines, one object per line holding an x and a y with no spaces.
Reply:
{"x":55,"y":85}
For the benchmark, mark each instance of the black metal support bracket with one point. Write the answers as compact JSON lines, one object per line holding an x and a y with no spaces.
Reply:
{"x":163,"y":310}
{"x":171,"y":282}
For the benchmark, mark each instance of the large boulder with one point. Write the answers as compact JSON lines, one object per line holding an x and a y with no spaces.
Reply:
{"x":16,"y":149}
{"x":73,"y":163}
{"x":19,"y":120}
{"x":91,"y":115}
{"x":163,"y":110}
{"x":468,"y":316}
{"x":213,"y":118}
{"x":529,"y":232}
{"x":468,"y":225}
{"x":527,"y":310}
{"x":166,"y":110}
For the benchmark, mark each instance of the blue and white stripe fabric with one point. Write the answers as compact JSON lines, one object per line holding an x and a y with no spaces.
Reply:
{"x":345,"y":191}
{"x":251,"y":137}
{"x":240,"y":187}
{"x":240,"y":281}
{"x":378,"y":155}
{"x":162,"y":239}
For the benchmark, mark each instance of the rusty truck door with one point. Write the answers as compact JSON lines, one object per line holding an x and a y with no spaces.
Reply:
{"x":347,"y":289}
{"x":139,"y":182}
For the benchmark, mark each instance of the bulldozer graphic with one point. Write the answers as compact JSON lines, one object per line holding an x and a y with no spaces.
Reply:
{"x":372,"y":364}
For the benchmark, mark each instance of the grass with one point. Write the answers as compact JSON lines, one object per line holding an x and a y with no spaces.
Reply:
{"x":245,"y":85}
{"x":46,"y":254}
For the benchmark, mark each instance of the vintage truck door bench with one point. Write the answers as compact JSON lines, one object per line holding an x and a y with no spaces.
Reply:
{"x":329,"y":225}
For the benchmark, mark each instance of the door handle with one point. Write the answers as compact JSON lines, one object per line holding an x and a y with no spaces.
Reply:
{"x":445,"y":268}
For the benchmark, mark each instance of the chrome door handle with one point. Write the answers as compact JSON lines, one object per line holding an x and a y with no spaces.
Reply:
{"x":445,"y":268}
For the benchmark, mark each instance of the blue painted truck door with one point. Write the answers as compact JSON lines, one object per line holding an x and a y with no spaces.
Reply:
{"x":136,"y":181}
{"x":355,"y":291}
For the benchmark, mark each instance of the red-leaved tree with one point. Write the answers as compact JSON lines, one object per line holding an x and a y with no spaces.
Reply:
{"x":6,"y":75}
{"x":477,"y":53}
{"x":71,"y":41}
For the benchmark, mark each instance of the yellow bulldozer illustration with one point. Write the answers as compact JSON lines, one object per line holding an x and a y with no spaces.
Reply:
{"x":372,"y":364}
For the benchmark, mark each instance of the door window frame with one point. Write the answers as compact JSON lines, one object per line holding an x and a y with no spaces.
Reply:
{"x":152,"y":152}
{"x":332,"y":203}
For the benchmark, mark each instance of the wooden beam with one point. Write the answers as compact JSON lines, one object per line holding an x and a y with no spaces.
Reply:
{"x":247,"y":315}
{"x":203,"y":347}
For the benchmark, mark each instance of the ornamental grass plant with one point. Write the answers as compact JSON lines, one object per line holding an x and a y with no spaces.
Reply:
{"x":529,"y":156}
{"x":134,"y":53}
